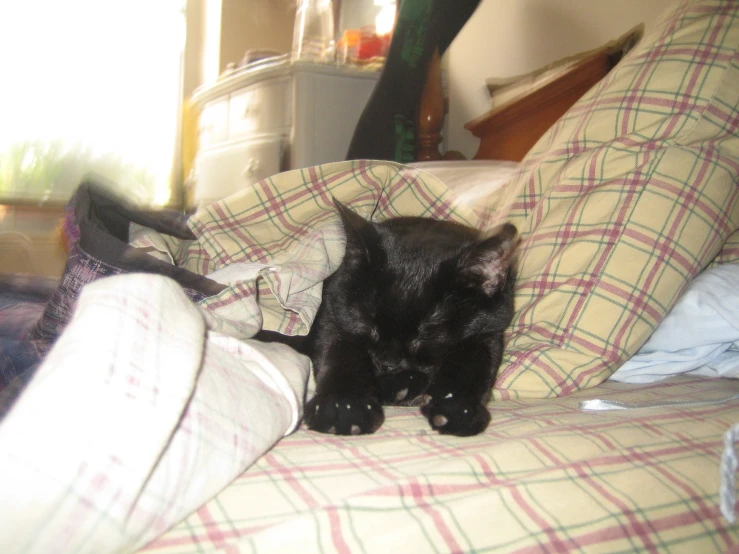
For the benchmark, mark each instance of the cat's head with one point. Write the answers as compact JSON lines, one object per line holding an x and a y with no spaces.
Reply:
{"x":413,"y":289}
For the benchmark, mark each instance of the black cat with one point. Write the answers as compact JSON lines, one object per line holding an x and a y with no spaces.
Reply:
{"x":414,"y":315}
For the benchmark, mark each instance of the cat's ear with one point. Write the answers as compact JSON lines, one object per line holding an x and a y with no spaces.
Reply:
{"x":485,"y":264}
{"x":361,"y":236}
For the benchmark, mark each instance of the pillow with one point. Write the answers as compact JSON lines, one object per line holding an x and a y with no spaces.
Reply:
{"x":623,"y":201}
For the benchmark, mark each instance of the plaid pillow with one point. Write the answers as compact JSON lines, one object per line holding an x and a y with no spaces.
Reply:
{"x":623,"y":201}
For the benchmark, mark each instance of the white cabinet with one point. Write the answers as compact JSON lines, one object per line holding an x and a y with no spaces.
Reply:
{"x":259,"y":122}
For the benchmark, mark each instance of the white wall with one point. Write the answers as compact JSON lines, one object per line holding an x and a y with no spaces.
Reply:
{"x":509,"y":37}
{"x":220,"y":31}
{"x":248,"y":24}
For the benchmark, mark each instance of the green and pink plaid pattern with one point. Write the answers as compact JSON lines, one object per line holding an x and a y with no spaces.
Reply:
{"x":623,"y":201}
{"x":545,"y":477}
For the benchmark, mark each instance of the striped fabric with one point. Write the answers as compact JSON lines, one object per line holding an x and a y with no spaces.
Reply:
{"x":623,"y":201}
{"x":135,"y":418}
{"x":545,"y":477}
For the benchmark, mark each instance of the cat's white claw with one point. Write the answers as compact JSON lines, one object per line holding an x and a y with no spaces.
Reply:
{"x":425,"y":399}
{"x":369,"y":406}
{"x":449,"y":395}
{"x":466,"y":411}
{"x":336,"y":405}
{"x":401,"y":394}
{"x":356,"y":430}
{"x":439,"y":420}
{"x":348,"y":406}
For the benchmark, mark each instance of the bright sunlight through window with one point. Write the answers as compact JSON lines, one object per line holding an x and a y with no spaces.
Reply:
{"x":89,"y":86}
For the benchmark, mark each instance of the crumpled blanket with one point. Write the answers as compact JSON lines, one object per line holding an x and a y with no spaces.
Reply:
{"x":135,"y":418}
{"x":700,"y":336}
{"x":288,"y":226}
{"x":150,"y":402}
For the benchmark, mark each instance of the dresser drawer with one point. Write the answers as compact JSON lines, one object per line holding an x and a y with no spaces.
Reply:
{"x":260,"y":108}
{"x":213,"y":123}
{"x":224,"y":171}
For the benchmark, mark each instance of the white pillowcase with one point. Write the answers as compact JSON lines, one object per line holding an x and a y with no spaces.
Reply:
{"x":699,"y":336}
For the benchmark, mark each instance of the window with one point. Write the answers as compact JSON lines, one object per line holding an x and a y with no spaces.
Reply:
{"x":89,"y":86}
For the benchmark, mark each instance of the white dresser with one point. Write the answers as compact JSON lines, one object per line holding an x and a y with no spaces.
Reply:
{"x":259,"y":122}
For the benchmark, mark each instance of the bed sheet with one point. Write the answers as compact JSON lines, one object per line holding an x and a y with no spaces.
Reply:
{"x":545,"y":476}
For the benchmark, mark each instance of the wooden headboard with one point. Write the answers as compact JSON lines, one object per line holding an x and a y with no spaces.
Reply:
{"x":509,"y":131}
{"x":431,"y":114}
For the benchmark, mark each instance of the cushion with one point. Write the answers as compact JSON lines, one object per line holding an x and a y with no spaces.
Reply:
{"x":623,"y":201}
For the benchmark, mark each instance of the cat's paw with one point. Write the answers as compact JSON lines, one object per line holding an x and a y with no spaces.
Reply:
{"x":346,"y":415}
{"x":455,"y":414}
{"x":403,"y":389}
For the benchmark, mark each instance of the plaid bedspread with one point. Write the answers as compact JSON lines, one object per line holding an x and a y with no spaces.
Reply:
{"x":545,"y":477}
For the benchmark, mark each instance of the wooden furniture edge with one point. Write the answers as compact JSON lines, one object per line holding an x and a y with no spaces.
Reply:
{"x":509,"y":131}
{"x":430,"y":114}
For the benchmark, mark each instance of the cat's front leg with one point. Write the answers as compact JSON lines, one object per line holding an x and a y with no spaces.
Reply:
{"x":455,"y":402}
{"x":347,"y":400}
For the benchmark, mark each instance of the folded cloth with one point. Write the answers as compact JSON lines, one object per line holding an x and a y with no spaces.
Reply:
{"x":135,"y":418}
{"x":699,"y":336}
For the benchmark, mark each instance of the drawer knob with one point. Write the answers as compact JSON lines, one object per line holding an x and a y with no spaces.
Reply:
{"x":251,"y":109}
{"x":252,"y":166}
